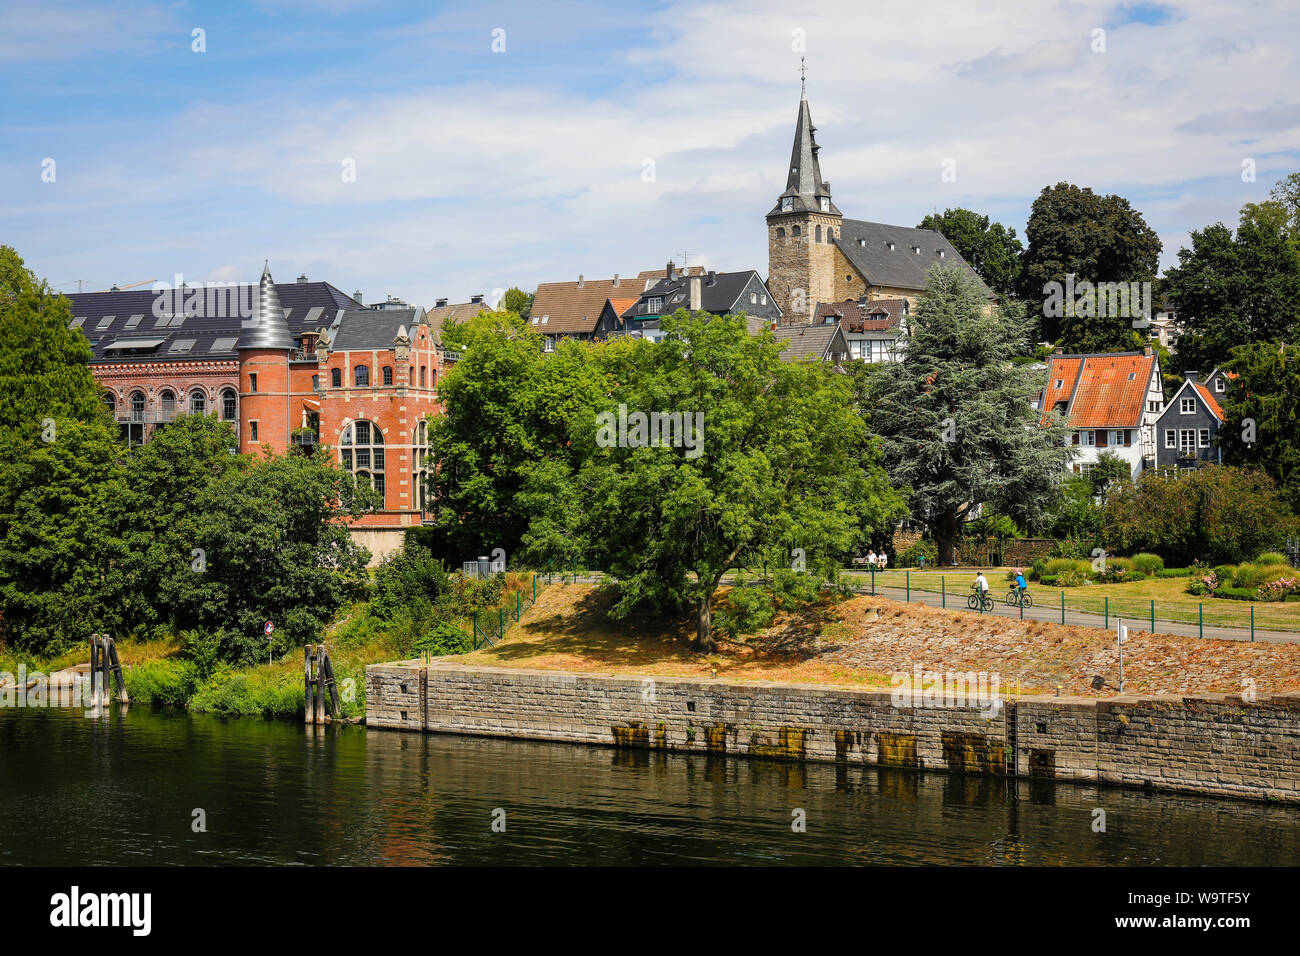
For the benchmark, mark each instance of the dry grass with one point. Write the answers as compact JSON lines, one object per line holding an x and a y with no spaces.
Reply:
{"x":862,"y":640}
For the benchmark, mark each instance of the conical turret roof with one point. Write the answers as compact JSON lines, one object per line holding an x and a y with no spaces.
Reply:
{"x":804,"y":183}
{"x":267,"y":327}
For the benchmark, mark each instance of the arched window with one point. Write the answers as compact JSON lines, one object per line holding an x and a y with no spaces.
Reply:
{"x":780,"y":232}
{"x":818,"y":234}
{"x":795,"y":232}
{"x":110,"y":400}
{"x":423,"y":369}
{"x":167,"y":402}
{"x":420,"y":469}
{"x":361,"y":452}
{"x":388,"y":375}
{"x":361,"y":376}
{"x":198,"y":403}
{"x":137,"y":406}
{"x":336,"y":377}
{"x":229,"y":407}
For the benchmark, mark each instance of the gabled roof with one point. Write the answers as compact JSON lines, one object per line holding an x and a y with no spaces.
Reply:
{"x":809,"y":341}
{"x":108,"y":318}
{"x":1211,"y":402}
{"x":868,"y":246}
{"x":1200,"y":390}
{"x":444,"y":315}
{"x":720,"y":293}
{"x":371,"y":328}
{"x":857,"y":315}
{"x":574,"y":307}
{"x":1101,"y":391}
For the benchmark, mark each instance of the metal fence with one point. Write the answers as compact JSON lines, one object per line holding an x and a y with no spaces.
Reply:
{"x":491,"y":625}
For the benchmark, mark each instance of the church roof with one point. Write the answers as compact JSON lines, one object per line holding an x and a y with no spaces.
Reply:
{"x":898,"y":256}
{"x":804,"y":183}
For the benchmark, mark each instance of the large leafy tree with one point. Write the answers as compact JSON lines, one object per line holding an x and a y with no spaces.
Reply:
{"x":1214,"y":514}
{"x":783,"y":462}
{"x":1262,"y":405}
{"x":1229,"y":290}
{"x":508,"y":407}
{"x":958,"y":419}
{"x":1097,"y":239}
{"x":990,"y":248}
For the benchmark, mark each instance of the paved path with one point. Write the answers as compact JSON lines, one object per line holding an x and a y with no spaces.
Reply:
{"x":1052,"y":614}
{"x":957,"y":601}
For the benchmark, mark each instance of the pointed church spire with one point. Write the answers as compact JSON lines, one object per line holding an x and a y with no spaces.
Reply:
{"x":804,"y":189}
{"x":267,"y":328}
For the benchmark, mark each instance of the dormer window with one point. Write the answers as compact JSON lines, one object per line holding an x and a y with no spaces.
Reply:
{"x":941,"y":253}
{"x":890,"y":246}
{"x":916,"y":250}
{"x":1059,"y":384}
{"x":654,"y":305}
{"x":1218,"y":385}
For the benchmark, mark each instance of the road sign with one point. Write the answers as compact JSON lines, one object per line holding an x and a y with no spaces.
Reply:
{"x":267,"y":628}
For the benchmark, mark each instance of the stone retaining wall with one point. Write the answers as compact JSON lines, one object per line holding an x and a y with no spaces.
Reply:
{"x":1214,"y":744}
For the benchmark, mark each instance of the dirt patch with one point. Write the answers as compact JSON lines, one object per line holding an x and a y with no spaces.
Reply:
{"x":863,"y":640}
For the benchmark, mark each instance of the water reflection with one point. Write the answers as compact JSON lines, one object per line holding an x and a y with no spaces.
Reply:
{"x":282,"y":793}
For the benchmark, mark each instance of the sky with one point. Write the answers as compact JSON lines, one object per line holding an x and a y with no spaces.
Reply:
{"x":428,"y":150}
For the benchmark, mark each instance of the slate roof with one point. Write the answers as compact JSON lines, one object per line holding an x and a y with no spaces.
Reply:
{"x":867,"y":246}
{"x":107,"y":318}
{"x":719,"y":296}
{"x":1102,"y":391}
{"x":874,"y":315}
{"x":804,"y":182}
{"x":370,"y":328}
{"x":803,"y":341}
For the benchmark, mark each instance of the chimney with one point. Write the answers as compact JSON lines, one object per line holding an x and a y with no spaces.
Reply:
{"x":713,"y":277}
{"x":1148,"y":351}
{"x":669,"y":270}
{"x":440,"y":304}
{"x":695,"y":293}
{"x":615,"y":280}
{"x":579,"y":280}
{"x":357,"y":295}
{"x":1191,"y":374}
{"x":772,"y":326}
{"x":476,"y":299}
{"x":302,"y":279}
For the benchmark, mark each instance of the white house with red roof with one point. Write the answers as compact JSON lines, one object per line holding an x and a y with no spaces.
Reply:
{"x":1110,"y":402}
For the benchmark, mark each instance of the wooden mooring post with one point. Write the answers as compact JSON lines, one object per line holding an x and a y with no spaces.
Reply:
{"x":318,"y":682}
{"x":105,"y":668}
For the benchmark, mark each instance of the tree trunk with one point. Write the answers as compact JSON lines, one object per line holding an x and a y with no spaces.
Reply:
{"x":704,"y":641}
{"x":947,"y":547}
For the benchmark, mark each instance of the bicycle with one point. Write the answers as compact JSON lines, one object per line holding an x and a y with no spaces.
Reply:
{"x":1016,"y":596}
{"x":978,"y":598}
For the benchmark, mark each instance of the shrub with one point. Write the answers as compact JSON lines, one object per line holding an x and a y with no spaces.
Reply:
{"x":1237,"y":594}
{"x":1038,"y":570}
{"x":1279,"y":589}
{"x":1070,"y":578}
{"x":1224,"y":573}
{"x":405,"y":576}
{"x":169,"y":682}
{"x":442,"y":639}
{"x":1174,"y":573}
{"x":792,"y":589}
{"x":747,"y":610}
{"x":1273,"y":557}
{"x":1076,"y":548}
{"x":1058,"y":566}
{"x":255,"y":694}
{"x":1148,"y":563}
{"x":911,"y":556}
{"x":1048,"y":580}
{"x":1249,"y":576}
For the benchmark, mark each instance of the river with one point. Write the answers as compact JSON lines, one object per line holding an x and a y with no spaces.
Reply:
{"x":131,"y":788}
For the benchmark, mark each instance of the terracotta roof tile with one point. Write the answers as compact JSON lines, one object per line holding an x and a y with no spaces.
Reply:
{"x":1210,"y":400}
{"x":1106,"y":391}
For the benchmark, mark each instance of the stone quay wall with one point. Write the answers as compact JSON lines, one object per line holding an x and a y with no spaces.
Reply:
{"x":1209,"y":744}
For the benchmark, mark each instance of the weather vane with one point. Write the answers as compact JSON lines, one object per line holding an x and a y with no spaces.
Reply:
{"x":803,"y":76}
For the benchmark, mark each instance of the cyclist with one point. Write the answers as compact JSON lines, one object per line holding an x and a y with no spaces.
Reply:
{"x":981,"y":584}
{"x":1021,"y":584}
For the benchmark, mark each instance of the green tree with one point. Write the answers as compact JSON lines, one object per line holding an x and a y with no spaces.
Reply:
{"x":1287,"y":192}
{"x":508,"y":409}
{"x":990,"y":248}
{"x":1097,"y":239}
{"x":783,"y":461}
{"x":957,"y":417}
{"x":1229,"y":290}
{"x":1109,"y":468}
{"x":1262,"y":406}
{"x":1216,"y":514}
{"x":517,"y":301}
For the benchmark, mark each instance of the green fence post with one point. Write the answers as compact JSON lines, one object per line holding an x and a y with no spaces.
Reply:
{"x":1108,"y":612}
{"x":1200,"y":617}
{"x":873,"y":581}
{"x":501,"y":622}
{"x":476,"y":630}
{"x":1153,"y":616}
{"x":1252,"y":622}
{"x":1022,"y":607}
{"x":518,"y":598}
{"x":909,"y":585}
{"x":534,"y":589}
{"x":943,"y":589}
{"x":1062,"y":607}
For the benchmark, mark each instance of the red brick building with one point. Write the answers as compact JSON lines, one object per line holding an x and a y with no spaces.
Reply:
{"x":290,"y":367}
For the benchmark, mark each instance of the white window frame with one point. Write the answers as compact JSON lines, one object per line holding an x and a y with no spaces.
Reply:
{"x":1171,"y":438}
{"x":1203,"y":438}
{"x":1187,"y":439}
{"x":1219,"y":386}
{"x":1088,"y":438}
{"x":1187,"y":406}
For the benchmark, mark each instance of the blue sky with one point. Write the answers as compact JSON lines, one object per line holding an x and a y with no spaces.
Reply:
{"x":477,"y":168}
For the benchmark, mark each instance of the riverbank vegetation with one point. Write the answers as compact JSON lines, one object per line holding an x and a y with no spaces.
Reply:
{"x":863,"y":641}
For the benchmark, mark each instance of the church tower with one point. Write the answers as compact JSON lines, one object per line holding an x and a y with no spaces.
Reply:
{"x":801,"y":230}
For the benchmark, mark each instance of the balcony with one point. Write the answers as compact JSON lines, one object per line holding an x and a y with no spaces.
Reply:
{"x":147,"y":417}
{"x":306,"y":437}
{"x":301,"y":355}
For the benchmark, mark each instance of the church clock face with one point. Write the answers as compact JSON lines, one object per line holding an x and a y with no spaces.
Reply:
{"x":787,"y":203}
{"x":826,"y":204}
